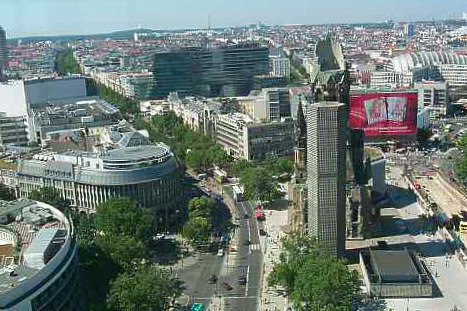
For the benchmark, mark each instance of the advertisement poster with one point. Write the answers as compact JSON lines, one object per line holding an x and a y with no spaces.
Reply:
{"x":384,"y":114}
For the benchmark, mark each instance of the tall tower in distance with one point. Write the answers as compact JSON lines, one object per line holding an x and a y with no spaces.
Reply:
{"x":326,"y":175}
{"x":300,"y":143}
{"x":3,"y":54}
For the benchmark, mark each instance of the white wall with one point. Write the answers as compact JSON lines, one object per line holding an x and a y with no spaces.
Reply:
{"x":12,"y":99}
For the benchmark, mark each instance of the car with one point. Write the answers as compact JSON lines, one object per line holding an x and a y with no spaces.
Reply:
{"x":262,"y":232}
{"x":226,"y":286}
{"x":220,"y":252}
{"x":246,"y":216}
{"x":212,"y":279}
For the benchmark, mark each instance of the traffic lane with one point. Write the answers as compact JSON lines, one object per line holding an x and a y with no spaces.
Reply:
{"x":254,"y":260}
{"x":243,"y":297}
{"x":255,"y":271}
{"x":196,"y":277}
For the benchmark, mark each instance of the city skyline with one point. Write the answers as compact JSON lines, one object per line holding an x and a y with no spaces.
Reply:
{"x":51,"y":18}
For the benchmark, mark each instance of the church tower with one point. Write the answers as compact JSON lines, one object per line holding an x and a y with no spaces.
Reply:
{"x":300,"y":144}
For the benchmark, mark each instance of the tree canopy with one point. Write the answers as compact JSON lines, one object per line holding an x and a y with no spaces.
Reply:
{"x":201,"y":207}
{"x":125,"y":251}
{"x":6,"y":193}
{"x":66,"y":63}
{"x":423,"y":135}
{"x":314,"y":280}
{"x":197,"y":229}
{"x":195,"y":149}
{"x":461,"y":169}
{"x":50,"y":196}
{"x":259,"y":184}
{"x":125,"y":105}
{"x":113,"y":249}
{"x":148,"y":288}
{"x":461,"y":142}
{"x":123,"y":217}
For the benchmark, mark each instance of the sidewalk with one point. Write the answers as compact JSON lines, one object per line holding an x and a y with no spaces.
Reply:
{"x":272,"y":299}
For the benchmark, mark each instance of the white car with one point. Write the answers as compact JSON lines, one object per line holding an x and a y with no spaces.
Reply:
{"x":220,"y":253}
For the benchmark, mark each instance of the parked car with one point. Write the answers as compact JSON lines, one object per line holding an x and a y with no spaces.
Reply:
{"x":212,"y":279}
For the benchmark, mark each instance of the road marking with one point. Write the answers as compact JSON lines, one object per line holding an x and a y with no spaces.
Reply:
{"x":247,"y":280}
{"x":224,"y":297}
{"x":255,"y":247}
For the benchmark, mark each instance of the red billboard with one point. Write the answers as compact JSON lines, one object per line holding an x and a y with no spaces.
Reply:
{"x":384,"y":114}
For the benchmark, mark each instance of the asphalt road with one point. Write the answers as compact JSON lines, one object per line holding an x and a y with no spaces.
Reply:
{"x":248,"y":257}
{"x":196,"y":275}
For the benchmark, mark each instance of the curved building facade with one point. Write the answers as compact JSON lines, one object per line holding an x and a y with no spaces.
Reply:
{"x":149,"y":174}
{"x":406,"y":62}
{"x":38,"y":258}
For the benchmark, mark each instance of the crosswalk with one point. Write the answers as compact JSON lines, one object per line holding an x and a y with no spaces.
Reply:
{"x":255,"y":247}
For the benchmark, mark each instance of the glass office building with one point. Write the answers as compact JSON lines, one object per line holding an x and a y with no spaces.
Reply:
{"x":226,"y":70}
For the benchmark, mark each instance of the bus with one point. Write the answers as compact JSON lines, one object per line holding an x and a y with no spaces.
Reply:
{"x":237,"y":193}
{"x":242,"y":275}
{"x":416,"y":185}
{"x":259,"y":214}
{"x":220,"y":175}
{"x":463,"y":227}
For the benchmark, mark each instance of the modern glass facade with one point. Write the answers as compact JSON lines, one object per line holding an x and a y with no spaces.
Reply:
{"x":213,"y":71}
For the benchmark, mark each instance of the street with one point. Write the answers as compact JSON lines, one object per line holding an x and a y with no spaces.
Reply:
{"x":247,"y":256}
{"x":244,"y":254}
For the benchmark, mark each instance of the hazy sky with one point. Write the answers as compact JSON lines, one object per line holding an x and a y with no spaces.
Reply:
{"x":54,"y":17}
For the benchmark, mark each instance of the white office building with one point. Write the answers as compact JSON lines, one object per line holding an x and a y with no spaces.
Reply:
{"x":280,"y":66}
{"x":454,"y":74}
{"x":433,"y":95}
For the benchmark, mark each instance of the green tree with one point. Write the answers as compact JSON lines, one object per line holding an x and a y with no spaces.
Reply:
{"x":125,"y":105}
{"x":295,"y":246}
{"x":461,"y":142}
{"x":259,"y":185}
{"x":148,"y":288}
{"x":461,"y":169}
{"x":314,"y":280}
{"x":193,"y":148}
{"x":196,"y":229}
{"x":66,"y":63}
{"x":50,"y":196}
{"x":201,"y":207}
{"x":123,"y":217}
{"x":278,"y":166}
{"x":125,"y":251}
{"x":6,"y":193}
{"x":240,"y":166}
{"x":96,"y":269}
{"x":423,"y":135}
{"x":197,"y":159}
{"x":324,"y":283}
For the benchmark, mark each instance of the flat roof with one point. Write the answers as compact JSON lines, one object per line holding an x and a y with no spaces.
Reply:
{"x":394,"y":265}
{"x":39,"y":222}
{"x":135,"y":153}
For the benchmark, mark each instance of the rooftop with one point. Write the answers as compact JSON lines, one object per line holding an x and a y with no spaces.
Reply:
{"x":33,"y":233}
{"x":136,"y":153}
{"x":394,"y":265}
